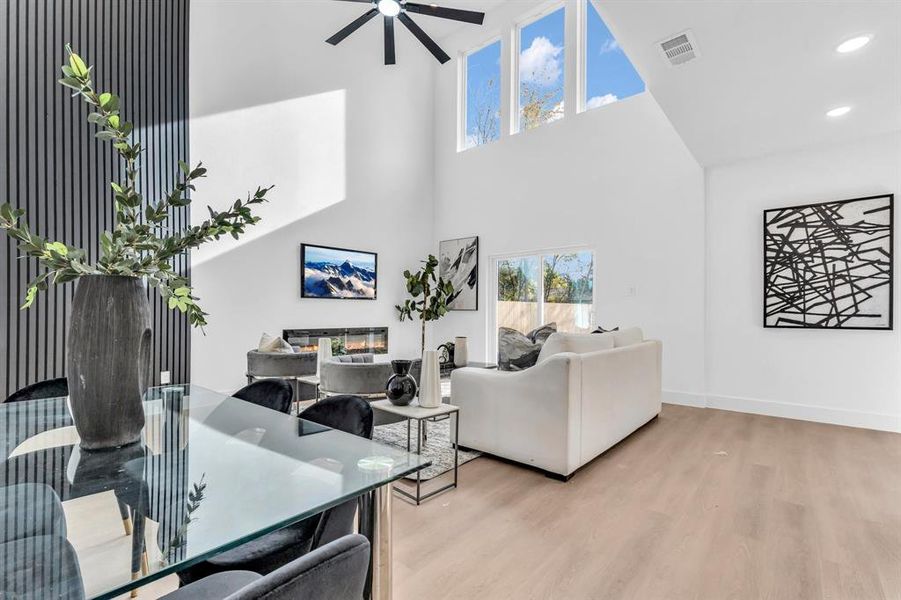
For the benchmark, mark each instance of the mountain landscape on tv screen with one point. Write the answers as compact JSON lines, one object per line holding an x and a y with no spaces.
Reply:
{"x":332,"y":280}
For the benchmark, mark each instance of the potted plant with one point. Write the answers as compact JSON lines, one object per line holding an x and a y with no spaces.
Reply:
{"x":430,"y":295}
{"x":109,"y":340}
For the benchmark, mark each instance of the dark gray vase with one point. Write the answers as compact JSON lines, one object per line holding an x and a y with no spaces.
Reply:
{"x":108,"y":359}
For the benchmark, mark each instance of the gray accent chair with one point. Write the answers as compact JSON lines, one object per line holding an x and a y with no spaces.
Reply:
{"x":336,"y":571}
{"x":357,"y":375}
{"x":263,"y":365}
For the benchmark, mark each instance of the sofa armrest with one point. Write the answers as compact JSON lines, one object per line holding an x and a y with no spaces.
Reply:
{"x":621,"y":391}
{"x":529,"y":416}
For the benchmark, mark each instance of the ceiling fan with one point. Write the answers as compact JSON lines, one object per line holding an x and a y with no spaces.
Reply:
{"x":390,"y":9}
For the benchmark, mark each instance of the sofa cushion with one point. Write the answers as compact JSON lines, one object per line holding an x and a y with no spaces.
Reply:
{"x":627,"y":337}
{"x":269,"y":343}
{"x":580,"y":343}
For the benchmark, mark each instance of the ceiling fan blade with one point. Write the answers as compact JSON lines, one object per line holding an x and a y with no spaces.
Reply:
{"x":389,"y":40}
{"x":361,"y":1}
{"x":423,"y":37}
{"x":467,"y":16}
{"x":338,"y":37}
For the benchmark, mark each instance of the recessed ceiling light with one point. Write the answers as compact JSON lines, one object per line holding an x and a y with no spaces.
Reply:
{"x":838,"y":111}
{"x":855,"y":43}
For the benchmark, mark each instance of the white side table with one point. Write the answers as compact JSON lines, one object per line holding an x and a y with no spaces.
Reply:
{"x":414,"y":412}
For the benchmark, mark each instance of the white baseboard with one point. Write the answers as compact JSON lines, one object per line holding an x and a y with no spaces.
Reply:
{"x":802,"y":412}
{"x":818,"y":414}
{"x":685,"y":398}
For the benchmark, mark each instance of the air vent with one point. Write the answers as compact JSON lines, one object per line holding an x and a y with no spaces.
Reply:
{"x":679,"y":49}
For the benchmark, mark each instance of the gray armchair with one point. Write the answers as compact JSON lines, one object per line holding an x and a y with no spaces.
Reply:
{"x":357,"y":375}
{"x":262,"y":365}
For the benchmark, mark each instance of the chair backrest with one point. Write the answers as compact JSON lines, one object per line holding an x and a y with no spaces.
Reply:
{"x":366,"y":357}
{"x":51,"y":388}
{"x":276,"y":364}
{"x":354,"y":378}
{"x":350,"y":414}
{"x":276,"y":394}
{"x":336,"y":571}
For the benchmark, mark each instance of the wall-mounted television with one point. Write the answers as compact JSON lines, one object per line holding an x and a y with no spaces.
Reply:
{"x":337,"y":273}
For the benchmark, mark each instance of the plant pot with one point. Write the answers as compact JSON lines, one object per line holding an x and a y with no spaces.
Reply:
{"x":430,"y":388}
{"x":401,"y":387}
{"x":108,"y":360}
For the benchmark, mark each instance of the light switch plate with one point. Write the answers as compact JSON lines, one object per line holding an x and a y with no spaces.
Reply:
{"x":165,"y":377}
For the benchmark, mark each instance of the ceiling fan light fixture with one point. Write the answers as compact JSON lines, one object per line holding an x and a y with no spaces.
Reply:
{"x":389,"y":8}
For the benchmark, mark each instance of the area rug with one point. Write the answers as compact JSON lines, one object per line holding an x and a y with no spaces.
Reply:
{"x":437,"y":448}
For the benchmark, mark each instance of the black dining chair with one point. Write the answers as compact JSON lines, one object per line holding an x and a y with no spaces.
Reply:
{"x":51,"y":388}
{"x":350,"y":414}
{"x":336,"y":571}
{"x":30,"y":510}
{"x":276,"y":394}
{"x":43,"y":566}
{"x":57,"y":388}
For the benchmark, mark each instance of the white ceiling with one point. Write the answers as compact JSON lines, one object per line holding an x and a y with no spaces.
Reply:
{"x":768,"y":71}
{"x":342,"y":13}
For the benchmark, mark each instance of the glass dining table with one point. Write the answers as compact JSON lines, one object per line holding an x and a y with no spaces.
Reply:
{"x":211,"y":472}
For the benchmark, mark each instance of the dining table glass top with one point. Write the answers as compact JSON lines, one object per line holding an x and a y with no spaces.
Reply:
{"x":211,"y":472}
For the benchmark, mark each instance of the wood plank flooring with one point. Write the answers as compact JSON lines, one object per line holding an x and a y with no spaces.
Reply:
{"x":701,"y":504}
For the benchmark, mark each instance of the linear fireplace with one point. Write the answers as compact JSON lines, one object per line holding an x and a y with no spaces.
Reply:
{"x":349,"y":340}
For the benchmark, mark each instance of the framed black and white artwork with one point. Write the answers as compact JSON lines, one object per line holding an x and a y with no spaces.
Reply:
{"x":829,"y":265}
{"x":458,"y":262}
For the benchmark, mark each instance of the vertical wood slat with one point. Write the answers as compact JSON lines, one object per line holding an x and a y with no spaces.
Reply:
{"x":51,"y":165}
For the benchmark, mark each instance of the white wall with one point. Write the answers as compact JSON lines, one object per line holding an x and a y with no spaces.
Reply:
{"x":617,"y":179}
{"x":348,"y":144}
{"x":844,"y":377}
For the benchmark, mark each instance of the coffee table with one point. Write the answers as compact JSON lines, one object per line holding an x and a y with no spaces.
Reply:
{"x":414,"y":412}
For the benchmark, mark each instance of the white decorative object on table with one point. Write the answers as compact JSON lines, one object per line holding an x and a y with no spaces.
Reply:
{"x":430,"y":380}
{"x":461,"y":353}
{"x":323,"y":353}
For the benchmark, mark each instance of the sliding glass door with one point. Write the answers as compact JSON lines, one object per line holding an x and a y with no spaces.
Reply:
{"x":545,"y":287}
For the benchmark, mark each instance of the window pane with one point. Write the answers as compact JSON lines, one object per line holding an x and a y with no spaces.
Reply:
{"x":483,"y":96}
{"x":517,"y":293}
{"x":569,"y":290}
{"x":609,"y":75}
{"x":541,"y":67}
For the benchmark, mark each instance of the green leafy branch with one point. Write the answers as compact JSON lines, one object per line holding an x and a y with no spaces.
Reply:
{"x":429,"y":293}
{"x":135,"y":246}
{"x":195,"y":497}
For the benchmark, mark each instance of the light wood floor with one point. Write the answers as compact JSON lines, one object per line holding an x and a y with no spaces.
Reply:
{"x":700,"y":504}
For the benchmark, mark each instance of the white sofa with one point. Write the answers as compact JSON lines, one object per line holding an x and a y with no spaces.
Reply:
{"x":586,"y":393}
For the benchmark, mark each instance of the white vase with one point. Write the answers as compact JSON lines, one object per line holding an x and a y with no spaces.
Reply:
{"x":430,"y":381}
{"x":323,"y":354}
{"x":461,"y":353}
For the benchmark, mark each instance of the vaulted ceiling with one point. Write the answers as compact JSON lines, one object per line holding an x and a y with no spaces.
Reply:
{"x":767,"y":71}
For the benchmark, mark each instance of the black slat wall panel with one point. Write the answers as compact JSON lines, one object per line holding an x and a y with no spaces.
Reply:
{"x":54,"y":168}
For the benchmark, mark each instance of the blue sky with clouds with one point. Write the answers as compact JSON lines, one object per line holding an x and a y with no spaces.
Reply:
{"x":610,"y":74}
{"x":315,"y":254}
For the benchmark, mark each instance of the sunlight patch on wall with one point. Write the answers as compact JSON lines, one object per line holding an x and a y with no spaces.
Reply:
{"x":298,"y":145}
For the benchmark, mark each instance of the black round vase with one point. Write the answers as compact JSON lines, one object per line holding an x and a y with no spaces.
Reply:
{"x":401,"y":388}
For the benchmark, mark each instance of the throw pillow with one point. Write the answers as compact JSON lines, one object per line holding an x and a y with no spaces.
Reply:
{"x":541,"y":334}
{"x":602,"y":330}
{"x":517,"y":351}
{"x":269,"y":343}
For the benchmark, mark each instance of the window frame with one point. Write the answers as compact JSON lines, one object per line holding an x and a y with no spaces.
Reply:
{"x":582,"y":57}
{"x":519,"y":24}
{"x":493,"y":262}
{"x":462,"y":83}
